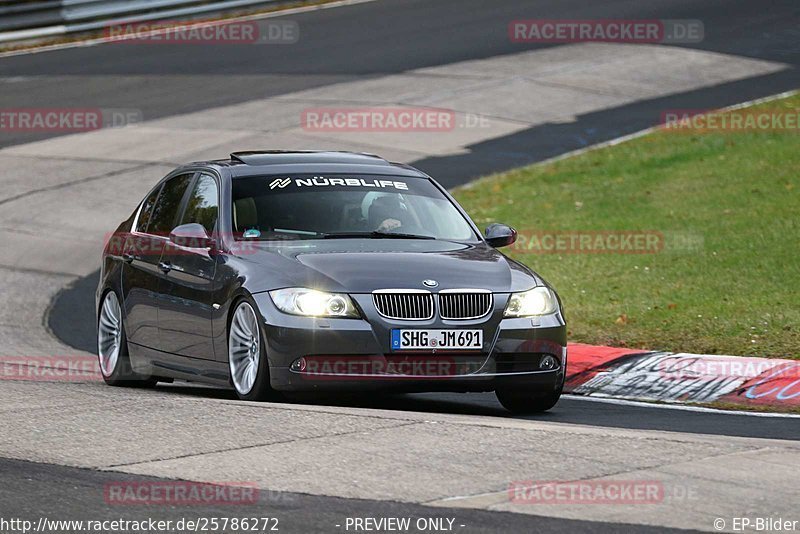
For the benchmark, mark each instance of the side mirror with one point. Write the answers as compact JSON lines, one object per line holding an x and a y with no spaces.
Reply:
{"x":500,"y":235}
{"x":191,"y":235}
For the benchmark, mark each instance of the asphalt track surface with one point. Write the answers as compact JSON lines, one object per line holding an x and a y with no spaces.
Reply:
{"x":387,"y":37}
{"x":77,"y":494}
{"x":357,"y":42}
{"x":570,"y":409}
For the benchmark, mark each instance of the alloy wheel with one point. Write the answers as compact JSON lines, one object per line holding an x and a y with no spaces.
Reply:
{"x":244,"y":348}
{"x":109,"y":334}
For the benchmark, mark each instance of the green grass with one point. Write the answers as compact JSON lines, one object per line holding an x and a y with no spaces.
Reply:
{"x":728,"y":204}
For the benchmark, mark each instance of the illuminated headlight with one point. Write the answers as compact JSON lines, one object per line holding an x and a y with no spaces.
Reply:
{"x":537,"y":301}
{"x":313,"y":303}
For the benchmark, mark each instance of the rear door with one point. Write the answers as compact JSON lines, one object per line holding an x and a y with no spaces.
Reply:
{"x":142,"y":255}
{"x":187,"y":291}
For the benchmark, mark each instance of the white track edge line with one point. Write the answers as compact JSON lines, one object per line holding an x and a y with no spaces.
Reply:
{"x":682,"y":407}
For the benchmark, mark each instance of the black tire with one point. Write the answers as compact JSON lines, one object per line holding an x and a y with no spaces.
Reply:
{"x":521,"y":402}
{"x":261,"y":389}
{"x":123,"y":374}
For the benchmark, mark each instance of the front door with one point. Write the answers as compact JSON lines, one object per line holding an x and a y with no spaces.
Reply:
{"x":141,"y":272}
{"x":187,"y":291}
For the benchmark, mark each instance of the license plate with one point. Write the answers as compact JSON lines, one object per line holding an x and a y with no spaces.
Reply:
{"x":437,"y":339}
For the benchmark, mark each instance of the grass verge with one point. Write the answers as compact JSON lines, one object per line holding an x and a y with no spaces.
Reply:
{"x":726,"y":205}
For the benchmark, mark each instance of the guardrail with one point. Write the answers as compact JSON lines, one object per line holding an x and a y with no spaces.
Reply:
{"x":31,"y":19}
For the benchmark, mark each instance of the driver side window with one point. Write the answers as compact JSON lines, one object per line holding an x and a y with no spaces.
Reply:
{"x":165,"y":211}
{"x":203,"y":205}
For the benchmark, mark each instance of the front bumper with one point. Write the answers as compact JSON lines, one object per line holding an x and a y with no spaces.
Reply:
{"x":354,"y":354}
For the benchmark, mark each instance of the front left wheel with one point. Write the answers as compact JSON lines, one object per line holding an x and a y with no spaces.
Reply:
{"x":247,"y":357}
{"x":112,"y":347}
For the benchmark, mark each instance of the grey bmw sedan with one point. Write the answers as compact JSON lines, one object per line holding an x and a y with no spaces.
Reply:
{"x":276,"y":271}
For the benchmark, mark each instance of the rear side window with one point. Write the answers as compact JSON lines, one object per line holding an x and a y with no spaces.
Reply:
{"x":166,"y":208}
{"x":203,"y":206}
{"x":146,"y":211}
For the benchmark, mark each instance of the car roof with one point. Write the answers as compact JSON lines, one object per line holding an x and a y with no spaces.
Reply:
{"x":266,"y":162}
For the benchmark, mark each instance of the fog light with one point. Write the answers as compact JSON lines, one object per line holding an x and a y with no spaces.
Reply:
{"x":298,"y":365}
{"x":547,"y":363}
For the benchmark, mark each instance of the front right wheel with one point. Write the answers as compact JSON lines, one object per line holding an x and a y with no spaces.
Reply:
{"x":247,"y":356}
{"x":522,"y":402}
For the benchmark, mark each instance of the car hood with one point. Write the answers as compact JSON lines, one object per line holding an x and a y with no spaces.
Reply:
{"x":362,"y":266}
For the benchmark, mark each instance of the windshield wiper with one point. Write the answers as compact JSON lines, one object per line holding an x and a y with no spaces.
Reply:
{"x":281,"y":234}
{"x":375,"y":235}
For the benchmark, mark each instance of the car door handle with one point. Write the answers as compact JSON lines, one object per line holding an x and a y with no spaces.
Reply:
{"x":165,"y":266}
{"x":128,"y":257}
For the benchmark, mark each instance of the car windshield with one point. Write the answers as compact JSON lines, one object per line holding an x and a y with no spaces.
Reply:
{"x":343,"y":206}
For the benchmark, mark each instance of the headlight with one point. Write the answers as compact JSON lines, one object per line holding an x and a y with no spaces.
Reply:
{"x":537,"y":301}
{"x":313,"y":303}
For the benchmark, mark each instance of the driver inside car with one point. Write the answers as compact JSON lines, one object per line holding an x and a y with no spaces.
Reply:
{"x":387,"y":213}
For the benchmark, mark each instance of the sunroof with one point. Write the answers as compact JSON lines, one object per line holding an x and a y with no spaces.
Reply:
{"x":285,"y":157}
